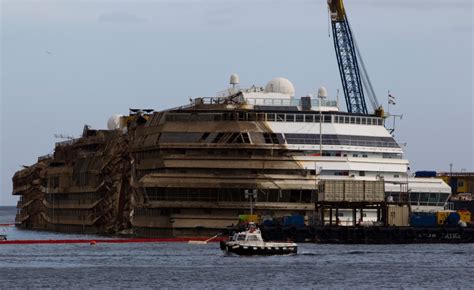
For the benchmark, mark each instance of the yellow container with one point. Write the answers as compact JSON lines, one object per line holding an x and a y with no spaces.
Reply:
{"x":253,"y":218}
{"x":465,"y":215}
{"x":248,"y":218}
{"x":441,"y":216}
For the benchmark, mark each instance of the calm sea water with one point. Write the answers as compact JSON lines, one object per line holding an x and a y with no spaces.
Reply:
{"x":180,"y":265}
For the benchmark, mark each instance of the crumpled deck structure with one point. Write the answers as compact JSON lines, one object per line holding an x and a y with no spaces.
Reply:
{"x":83,"y":187}
{"x":182,"y":172}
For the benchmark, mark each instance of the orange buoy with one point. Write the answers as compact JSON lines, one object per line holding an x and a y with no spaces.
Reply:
{"x":93,"y":243}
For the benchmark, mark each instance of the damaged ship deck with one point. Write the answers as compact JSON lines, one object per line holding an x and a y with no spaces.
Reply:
{"x":182,"y":172}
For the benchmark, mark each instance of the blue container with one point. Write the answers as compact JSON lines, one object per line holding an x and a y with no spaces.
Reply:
{"x":425,"y":174}
{"x":423,"y":219}
{"x":268,"y":223}
{"x":453,"y":219}
{"x":294,"y":220}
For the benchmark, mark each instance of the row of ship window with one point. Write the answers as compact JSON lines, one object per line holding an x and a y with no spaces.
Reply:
{"x":429,"y":198}
{"x":333,"y":139}
{"x":275,"y":117}
{"x":83,"y":178}
{"x":346,"y":173}
{"x":157,"y":153}
{"x":271,"y":195}
{"x":226,"y":195}
{"x":275,"y":138}
{"x":69,"y":212}
{"x":75,"y":197}
{"x":71,"y":203}
{"x":85,"y":229}
{"x":424,"y":198}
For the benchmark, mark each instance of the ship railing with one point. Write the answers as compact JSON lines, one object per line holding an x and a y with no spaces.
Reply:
{"x":210,"y":100}
{"x":85,"y":154}
{"x":67,"y":142}
{"x":456,"y":174}
{"x":226,"y":97}
{"x":84,"y":141}
{"x":347,"y":142}
{"x":449,"y":206}
{"x":45,"y":157}
{"x":261,"y":101}
{"x":71,"y":204}
{"x":73,"y":219}
{"x":228,"y":92}
{"x":465,"y":196}
{"x":202,"y":101}
{"x":287,"y":102}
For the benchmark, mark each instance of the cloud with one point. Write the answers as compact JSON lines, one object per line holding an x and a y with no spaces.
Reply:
{"x":120,"y":17}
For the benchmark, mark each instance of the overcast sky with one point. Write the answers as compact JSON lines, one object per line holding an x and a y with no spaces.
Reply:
{"x":69,"y":63}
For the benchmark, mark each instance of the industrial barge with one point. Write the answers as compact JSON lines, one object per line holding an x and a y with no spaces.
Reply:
{"x":192,"y":170}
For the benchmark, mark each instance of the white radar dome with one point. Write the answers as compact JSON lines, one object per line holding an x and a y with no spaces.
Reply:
{"x":322,"y":92}
{"x":114,"y":122}
{"x":280,"y":85}
{"x":234,"y":79}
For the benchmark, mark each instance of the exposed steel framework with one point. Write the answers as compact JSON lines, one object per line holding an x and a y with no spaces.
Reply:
{"x":354,"y":76}
{"x":348,"y":67}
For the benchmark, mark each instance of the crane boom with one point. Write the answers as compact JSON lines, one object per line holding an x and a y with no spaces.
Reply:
{"x":348,"y":62}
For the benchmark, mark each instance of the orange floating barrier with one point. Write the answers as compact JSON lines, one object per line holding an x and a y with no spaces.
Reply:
{"x":113,"y":241}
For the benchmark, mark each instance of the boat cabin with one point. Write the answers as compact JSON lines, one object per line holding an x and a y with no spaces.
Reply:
{"x":252,"y":234}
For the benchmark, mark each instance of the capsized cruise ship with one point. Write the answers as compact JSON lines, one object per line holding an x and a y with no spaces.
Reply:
{"x":188,"y":171}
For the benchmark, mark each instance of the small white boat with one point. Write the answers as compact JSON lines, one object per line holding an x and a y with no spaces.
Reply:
{"x":250,"y":242}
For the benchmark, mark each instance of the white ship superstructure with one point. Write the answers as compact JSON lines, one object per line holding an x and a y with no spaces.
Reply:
{"x":338,"y":145}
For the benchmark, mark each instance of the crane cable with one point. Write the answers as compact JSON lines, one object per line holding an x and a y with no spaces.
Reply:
{"x":329,"y":22}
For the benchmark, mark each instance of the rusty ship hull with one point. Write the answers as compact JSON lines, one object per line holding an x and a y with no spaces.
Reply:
{"x":176,"y":173}
{"x":187,"y":171}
